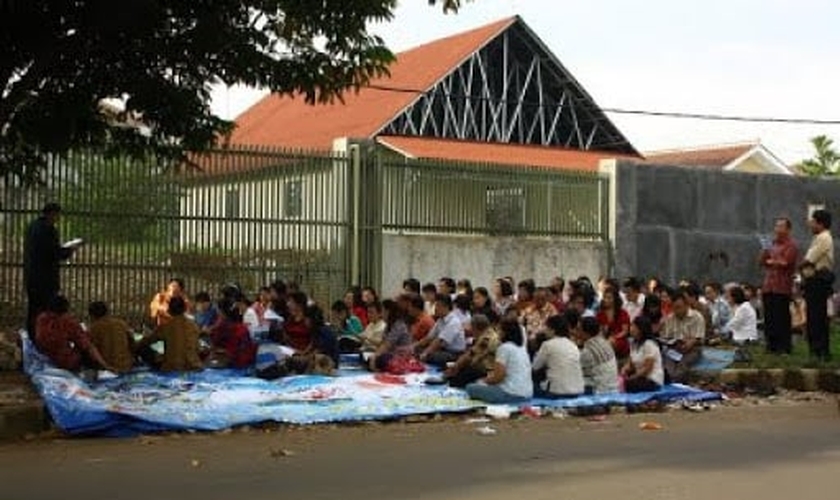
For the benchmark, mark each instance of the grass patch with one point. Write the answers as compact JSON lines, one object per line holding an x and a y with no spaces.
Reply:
{"x":799,"y":358}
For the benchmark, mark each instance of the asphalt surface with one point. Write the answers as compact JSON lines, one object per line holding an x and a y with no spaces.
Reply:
{"x":767,"y":452}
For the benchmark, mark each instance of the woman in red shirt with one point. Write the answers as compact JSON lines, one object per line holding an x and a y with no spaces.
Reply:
{"x":297,"y":333}
{"x":615,"y":322}
{"x":356,"y":304}
{"x":231,"y":338}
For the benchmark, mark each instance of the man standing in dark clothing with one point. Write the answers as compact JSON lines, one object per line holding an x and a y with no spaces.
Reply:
{"x":779,"y":262}
{"x":818,"y":272}
{"x":43,"y":254}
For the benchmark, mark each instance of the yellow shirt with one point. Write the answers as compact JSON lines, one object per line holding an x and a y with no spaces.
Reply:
{"x":110,"y":335}
{"x":821,"y":252}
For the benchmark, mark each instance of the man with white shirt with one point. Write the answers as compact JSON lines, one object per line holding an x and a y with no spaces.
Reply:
{"x":818,"y":272}
{"x":634,"y":300}
{"x":446,"y":342}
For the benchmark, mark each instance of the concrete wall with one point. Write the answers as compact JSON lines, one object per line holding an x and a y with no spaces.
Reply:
{"x":677,"y":222}
{"x":483,"y":258}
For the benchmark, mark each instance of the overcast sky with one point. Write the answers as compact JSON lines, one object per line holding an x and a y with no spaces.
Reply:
{"x":736,"y":57}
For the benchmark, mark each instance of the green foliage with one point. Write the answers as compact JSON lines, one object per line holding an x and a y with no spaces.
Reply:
{"x":826,"y":160}
{"x":118,"y":200}
{"x":60,"y":60}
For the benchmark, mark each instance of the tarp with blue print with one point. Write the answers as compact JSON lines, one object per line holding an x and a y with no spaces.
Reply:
{"x":212,"y":400}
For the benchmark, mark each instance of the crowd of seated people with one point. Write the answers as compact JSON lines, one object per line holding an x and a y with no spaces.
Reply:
{"x":508,"y":343}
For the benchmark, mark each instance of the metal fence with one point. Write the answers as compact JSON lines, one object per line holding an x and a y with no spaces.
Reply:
{"x":244,"y":215}
{"x":448,"y":197}
{"x":251,"y":215}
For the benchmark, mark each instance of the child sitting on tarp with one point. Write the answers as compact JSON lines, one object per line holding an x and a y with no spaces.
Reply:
{"x":180,"y":340}
{"x":347,"y":328}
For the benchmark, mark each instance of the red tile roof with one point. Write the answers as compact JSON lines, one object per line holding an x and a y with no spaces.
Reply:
{"x":716,"y":157}
{"x":482,"y":152}
{"x":290,"y":122}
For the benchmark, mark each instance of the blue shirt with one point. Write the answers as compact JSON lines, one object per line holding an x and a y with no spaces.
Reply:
{"x":207,"y":318}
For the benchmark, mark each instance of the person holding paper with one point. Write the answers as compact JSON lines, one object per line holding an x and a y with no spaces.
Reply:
{"x":683,"y":332}
{"x":43,"y":254}
{"x":778,"y":258}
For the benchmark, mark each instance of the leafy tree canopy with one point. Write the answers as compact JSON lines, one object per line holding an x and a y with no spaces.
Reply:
{"x":59,"y":59}
{"x":826,"y":159}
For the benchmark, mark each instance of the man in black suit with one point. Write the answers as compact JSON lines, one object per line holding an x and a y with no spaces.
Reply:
{"x":43,"y":254}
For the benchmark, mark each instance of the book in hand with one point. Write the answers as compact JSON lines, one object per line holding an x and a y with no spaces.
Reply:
{"x":74,"y":243}
{"x":766,"y":242}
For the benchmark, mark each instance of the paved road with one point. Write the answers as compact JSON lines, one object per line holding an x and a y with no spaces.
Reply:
{"x":772,"y":452}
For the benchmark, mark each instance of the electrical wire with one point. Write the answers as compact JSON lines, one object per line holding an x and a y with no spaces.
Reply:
{"x":622,"y":111}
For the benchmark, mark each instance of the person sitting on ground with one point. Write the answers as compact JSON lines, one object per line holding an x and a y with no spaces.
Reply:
{"x":537,"y":315}
{"x":346,"y":327}
{"x":694,"y":295}
{"x":482,"y":305}
{"x":525,"y":297}
{"x":112,"y":337}
{"x":464,"y":287}
{"x":324,"y":350}
{"x":394,"y":354}
{"x":254,"y":314}
{"x":231,"y":341}
{"x":296,"y":332}
{"x":374,"y":333}
{"x":60,"y":337}
{"x":279,"y":298}
{"x":446,"y":342}
{"x":556,"y":297}
{"x":665,"y":294}
{"x":462,"y":306}
{"x":321,"y":357}
{"x":634,"y":299}
{"x":369,"y":295}
{"x":474,"y":364}
{"x":159,"y":308}
{"x":597,"y":360}
{"x":643,"y":372}
{"x":743,"y":326}
{"x":420,"y":323}
{"x":411,"y":286}
{"x":615,"y":322}
{"x":429,"y":295}
{"x":509,"y":380}
{"x":557,"y":370}
{"x":206,"y":314}
{"x":355,"y":303}
{"x":718,"y":307}
{"x":683,"y":333}
{"x":653,"y":312}
{"x":180,"y":342}
{"x":503,"y":297}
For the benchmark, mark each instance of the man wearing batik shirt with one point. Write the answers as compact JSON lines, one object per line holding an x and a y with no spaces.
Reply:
{"x":541,"y":309}
{"x":779,"y":262}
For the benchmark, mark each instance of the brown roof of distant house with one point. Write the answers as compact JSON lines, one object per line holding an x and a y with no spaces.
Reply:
{"x":290,"y":122}
{"x":717,"y":157}
{"x":483,"y":152}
